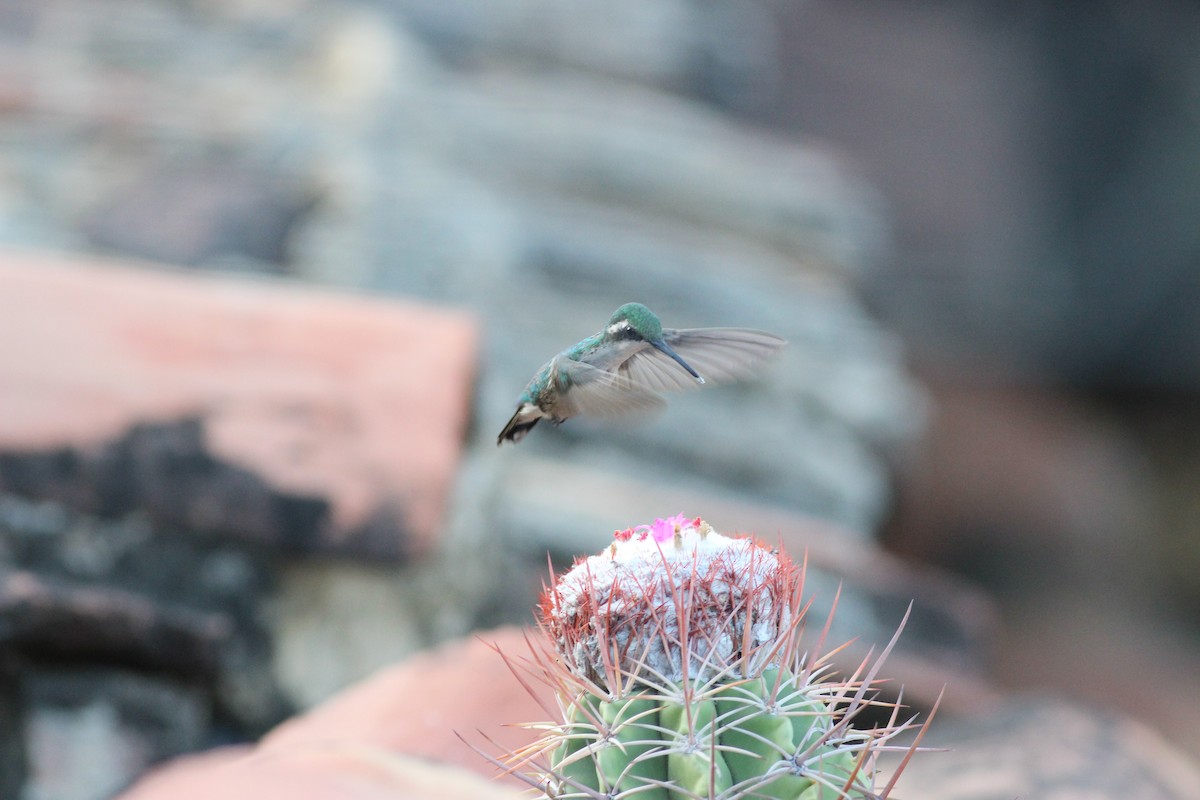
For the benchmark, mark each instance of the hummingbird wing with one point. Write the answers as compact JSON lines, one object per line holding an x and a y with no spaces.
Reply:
{"x":720,"y":355}
{"x":598,"y":392}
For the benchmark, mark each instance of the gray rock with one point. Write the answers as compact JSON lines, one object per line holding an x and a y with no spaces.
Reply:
{"x":718,"y":50}
{"x":336,"y":623}
{"x":89,"y":733}
{"x":120,"y":591}
{"x":13,"y":760}
{"x":668,"y":160}
{"x":200,"y":213}
{"x":44,"y":616}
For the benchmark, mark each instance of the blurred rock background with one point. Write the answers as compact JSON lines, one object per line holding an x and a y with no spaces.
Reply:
{"x":971,"y":223}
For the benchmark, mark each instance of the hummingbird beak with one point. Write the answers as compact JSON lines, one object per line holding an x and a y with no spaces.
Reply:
{"x":662,"y":346}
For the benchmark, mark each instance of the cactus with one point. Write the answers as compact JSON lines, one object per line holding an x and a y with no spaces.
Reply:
{"x":675,"y":657}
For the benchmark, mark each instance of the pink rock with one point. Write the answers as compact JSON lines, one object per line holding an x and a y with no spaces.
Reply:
{"x":379,"y":739}
{"x":357,"y":403}
{"x":320,"y":772}
{"x":421,"y":705}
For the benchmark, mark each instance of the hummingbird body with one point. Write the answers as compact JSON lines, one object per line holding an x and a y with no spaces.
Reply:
{"x":624,"y":367}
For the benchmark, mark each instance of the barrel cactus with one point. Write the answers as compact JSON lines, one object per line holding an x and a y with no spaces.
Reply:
{"x":675,"y":656}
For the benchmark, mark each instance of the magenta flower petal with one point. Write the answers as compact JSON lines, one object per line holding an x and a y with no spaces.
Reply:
{"x":662,"y":530}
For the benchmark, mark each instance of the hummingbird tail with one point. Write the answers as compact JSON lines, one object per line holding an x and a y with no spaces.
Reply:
{"x":525,"y":417}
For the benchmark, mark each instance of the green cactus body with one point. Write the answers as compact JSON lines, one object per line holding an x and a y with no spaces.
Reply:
{"x":810,"y":717}
{"x":694,"y":636}
{"x":738,"y":736}
{"x":632,"y":758}
{"x":759,"y":736}
{"x":834,"y":769}
{"x":574,"y":764}
{"x":694,"y":763}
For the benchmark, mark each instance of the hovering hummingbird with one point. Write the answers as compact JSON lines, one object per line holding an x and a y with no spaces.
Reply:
{"x":625,"y":366}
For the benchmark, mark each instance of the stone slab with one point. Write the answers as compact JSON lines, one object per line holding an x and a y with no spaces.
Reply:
{"x":353,"y":771}
{"x":390,"y":736}
{"x":424,"y":704}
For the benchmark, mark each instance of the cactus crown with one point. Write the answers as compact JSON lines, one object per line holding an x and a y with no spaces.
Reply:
{"x":625,"y":619}
{"x":675,"y":659}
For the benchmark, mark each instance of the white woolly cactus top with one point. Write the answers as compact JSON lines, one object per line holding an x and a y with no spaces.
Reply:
{"x":623,"y":619}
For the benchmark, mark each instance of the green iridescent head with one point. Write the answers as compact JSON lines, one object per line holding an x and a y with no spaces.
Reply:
{"x":639,"y":318}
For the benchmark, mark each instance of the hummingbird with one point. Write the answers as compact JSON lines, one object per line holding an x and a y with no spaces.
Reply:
{"x":624,"y":367}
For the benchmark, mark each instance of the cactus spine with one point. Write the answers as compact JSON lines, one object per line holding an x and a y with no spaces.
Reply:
{"x":677,"y":665}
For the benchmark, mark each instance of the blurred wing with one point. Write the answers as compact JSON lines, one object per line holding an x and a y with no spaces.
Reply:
{"x":600,"y":393}
{"x":720,"y":355}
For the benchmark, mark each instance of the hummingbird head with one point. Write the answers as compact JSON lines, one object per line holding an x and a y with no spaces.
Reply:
{"x":633,"y":321}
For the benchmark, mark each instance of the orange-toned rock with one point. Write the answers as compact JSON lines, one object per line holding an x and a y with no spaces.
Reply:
{"x":283,"y":413}
{"x":379,"y":739}
{"x":418,"y":706}
{"x":321,"y":772}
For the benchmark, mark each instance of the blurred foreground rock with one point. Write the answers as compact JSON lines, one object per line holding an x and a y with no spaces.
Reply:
{"x":349,"y":769}
{"x":372,"y":735}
